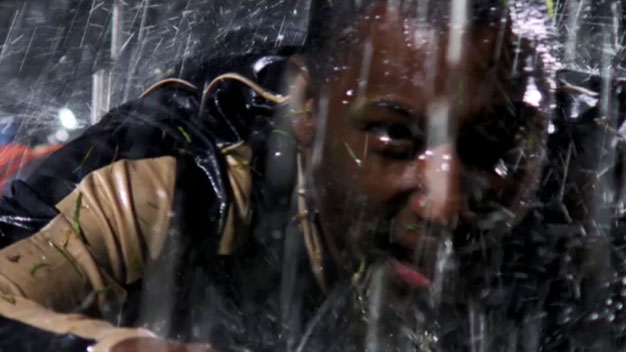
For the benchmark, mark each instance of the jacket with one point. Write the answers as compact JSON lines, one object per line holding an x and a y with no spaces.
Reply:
{"x":146,"y":212}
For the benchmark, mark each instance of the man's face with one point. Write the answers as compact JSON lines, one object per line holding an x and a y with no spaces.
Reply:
{"x":421,"y":155}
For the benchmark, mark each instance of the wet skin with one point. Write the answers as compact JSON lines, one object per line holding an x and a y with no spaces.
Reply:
{"x":417,"y":151}
{"x":399,"y":171}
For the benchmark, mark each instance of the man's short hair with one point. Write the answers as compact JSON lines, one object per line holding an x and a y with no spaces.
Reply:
{"x":333,"y":24}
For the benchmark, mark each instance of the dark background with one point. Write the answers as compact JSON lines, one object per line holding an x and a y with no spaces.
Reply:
{"x":91,"y":55}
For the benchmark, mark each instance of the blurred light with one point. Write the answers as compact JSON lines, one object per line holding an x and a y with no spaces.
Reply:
{"x":68,"y":119}
{"x":551,"y":128}
{"x":532,"y":96}
{"x":62,"y":135}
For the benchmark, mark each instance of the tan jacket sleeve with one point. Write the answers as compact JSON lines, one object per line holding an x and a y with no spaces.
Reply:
{"x":108,"y":227}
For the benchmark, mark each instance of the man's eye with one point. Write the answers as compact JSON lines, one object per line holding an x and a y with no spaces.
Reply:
{"x":393,"y":133}
{"x":394,"y":140}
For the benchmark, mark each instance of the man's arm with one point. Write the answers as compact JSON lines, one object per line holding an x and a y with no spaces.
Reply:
{"x":90,"y":221}
{"x":107,"y":228}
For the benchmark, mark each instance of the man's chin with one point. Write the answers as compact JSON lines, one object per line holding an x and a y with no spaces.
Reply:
{"x":399,"y":307}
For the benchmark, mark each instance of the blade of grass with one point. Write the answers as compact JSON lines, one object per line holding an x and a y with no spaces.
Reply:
{"x":76,"y":220}
{"x":184,"y":133}
{"x":87,"y":155}
{"x":69,"y":258}
{"x":37,"y":266}
{"x":7,"y":298}
{"x":550,"y":5}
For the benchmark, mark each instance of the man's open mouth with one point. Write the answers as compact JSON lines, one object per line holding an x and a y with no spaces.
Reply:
{"x":408,"y":274}
{"x":411,"y":264}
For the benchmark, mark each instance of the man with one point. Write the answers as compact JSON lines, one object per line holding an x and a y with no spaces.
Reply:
{"x":421,"y":135}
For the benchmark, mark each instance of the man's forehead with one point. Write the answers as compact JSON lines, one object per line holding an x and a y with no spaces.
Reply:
{"x":409,"y":36}
{"x":400,"y":54}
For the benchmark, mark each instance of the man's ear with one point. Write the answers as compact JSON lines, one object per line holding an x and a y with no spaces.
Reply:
{"x":302,"y":113}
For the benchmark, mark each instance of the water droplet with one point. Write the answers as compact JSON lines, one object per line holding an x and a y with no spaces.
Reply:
{"x":501,"y":169}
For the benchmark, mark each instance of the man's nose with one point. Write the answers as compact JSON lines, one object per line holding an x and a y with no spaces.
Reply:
{"x":441,"y":198}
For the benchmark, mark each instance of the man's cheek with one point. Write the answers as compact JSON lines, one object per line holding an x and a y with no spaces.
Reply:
{"x":381,"y":183}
